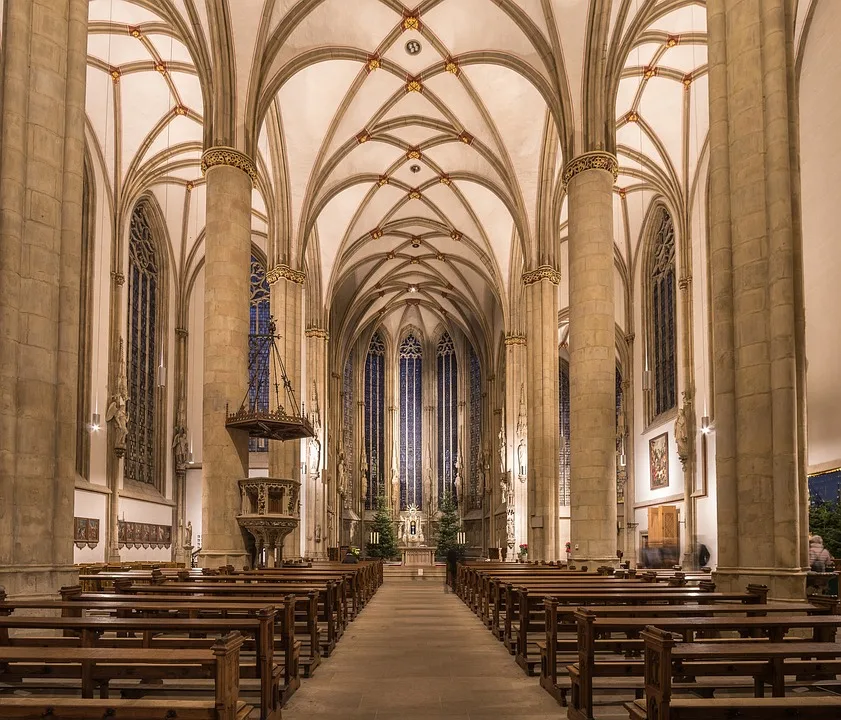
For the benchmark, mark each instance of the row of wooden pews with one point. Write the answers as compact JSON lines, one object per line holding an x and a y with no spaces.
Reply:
{"x":620,"y":635}
{"x":157,"y":644}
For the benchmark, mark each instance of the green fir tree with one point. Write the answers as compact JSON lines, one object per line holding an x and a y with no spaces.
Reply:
{"x":448,"y":527}
{"x":387,"y":546}
{"x":825,"y":520}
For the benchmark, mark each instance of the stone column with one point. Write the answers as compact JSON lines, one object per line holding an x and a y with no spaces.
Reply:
{"x":543,"y":428}
{"x":516,"y":494}
{"x":757,"y":288}
{"x":41,"y":178}
{"x":287,"y":287}
{"x":592,"y":351}
{"x":317,"y":339}
{"x":230,"y":175}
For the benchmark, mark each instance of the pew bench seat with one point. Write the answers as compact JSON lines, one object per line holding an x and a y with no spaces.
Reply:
{"x":64,"y":708}
{"x":799,"y":708}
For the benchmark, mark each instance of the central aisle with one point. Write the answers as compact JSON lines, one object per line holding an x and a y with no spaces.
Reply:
{"x":416,"y":653}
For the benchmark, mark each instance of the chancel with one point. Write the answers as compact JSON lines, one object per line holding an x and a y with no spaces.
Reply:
{"x":492,"y":342}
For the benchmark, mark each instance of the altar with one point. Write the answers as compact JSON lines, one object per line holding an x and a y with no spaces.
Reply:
{"x":412,"y":541}
{"x":418,"y":556}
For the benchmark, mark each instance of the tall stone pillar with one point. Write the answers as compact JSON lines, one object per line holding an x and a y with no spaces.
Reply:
{"x":287,"y":288}
{"x":543,"y":422}
{"x":515,"y":488}
{"x":316,"y":492}
{"x":757,"y":289}
{"x":230,"y":175}
{"x":592,"y":351}
{"x":41,"y":177}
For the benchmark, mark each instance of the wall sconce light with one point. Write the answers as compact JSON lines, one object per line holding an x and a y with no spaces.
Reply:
{"x":706,"y":428}
{"x":95,"y":420}
{"x":646,"y":380}
{"x":190,"y":460}
{"x":622,"y":460}
{"x":375,"y":537}
{"x":461,"y":538}
{"x":161,"y":376}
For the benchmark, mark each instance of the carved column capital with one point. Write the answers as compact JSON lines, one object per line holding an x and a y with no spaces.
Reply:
{"x":544,"y":272}
{"x":512,"y":339}
{"x":598,"y":160}
{"x":285,"y":272}
{"x":118,"y":278}
{"x":315,"y":332}
{"x":227,"y":156}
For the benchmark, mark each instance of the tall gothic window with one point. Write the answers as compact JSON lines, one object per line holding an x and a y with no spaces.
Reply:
{"x":663,"y":324}
{"x":563,"y":445}
{"x":143,"y":348}
{"x":475,"y":428}
{"x":447,"y":383}
{"x":411,"y":408}
{"x":258,"y":353}
{"x":375,"y":420}
{"x":621,"y":470}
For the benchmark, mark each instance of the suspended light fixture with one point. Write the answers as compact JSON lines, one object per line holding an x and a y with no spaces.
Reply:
{"x":95,"y":422}
{"x":706,"y":428}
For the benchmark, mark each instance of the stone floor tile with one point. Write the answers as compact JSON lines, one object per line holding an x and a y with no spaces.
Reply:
{"x":417,"y":653}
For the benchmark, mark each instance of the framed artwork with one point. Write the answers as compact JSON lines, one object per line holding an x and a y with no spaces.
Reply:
{"x":658,"y":458}
{"x":86,"y":532}
{"x":143,"y":535}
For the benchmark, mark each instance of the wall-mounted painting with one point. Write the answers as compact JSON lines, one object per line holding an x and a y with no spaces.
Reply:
{"x":86,"y":532}
{"x":658,"y":458}
{"x":143,"y":535}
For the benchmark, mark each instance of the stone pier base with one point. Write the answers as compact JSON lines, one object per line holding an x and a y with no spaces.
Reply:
{"x":782,"y":584}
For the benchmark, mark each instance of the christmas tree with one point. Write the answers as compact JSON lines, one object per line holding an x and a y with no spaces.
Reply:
{"x":448,"y":527}
{"x":386,"y":548}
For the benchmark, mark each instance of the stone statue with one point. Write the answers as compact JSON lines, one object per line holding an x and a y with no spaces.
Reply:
{"x":188,"y":534}
{"x":459,"y":481}
{"x":116,"y":411}
{"x":428,"y":496}
{"x":314,"y":455}
{"x":342,"y":471}
{"x":504,"y":487}
{"x":395,"y":491}
{"x":682,"y":436}
{"x":180,"y":447}
{"x":521,"y":458}
{"x":363,"y":477}
{"x":502,"y":450}
{"x":318,"y":533}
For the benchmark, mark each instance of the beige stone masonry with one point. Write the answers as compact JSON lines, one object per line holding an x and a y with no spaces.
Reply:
{"x":41,"y":170}
{"x":592,"y":366}
{"x":541,"y":286}
{"x":757,"y":290}
{"x":226,"y":327}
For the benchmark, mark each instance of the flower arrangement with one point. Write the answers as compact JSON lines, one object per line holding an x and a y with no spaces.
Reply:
{"x":524,"y":549}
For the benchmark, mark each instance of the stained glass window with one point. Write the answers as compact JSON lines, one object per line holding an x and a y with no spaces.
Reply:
{"x":258,"y":353}
{"x":563,"y":445}
{"x":663,"y":329}
{"x":375,"y":420}
{"x":447,"y":383}
{"x":475,"y":428}
{"x":411,"y":418}
{"x":142,"y":350}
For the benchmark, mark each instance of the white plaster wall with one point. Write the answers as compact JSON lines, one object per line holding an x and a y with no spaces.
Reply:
{"x":193,"y":509}
{"x":91,"y":505}
{"x":820,"y":147}
{"x":138,"y":511}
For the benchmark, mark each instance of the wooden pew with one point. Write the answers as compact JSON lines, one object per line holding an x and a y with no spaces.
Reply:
{"x":522,"y":621}
{"x":561,"y":619}
{"x":333,"y":615}
{"x":158,"y":633}
{"x":225,"y":705}
{"x":74,"y":602}
{"x":663,"y":660}
{"x":772,"y":627}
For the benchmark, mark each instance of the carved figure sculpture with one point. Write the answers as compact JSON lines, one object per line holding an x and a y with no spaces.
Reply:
{"x":521,"y":458}
{"x":188,"y":534}
{"x":395,"y":491}
{"x":363,"y":478}
{"x":502,"y":450}
{"x":682,"y":436}
{"x":180,"y":447}
{"x":116,"y":411}
{"x":342,"y":470}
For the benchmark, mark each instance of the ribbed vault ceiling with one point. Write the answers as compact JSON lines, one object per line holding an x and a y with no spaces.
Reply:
{"x":420,"y":183}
